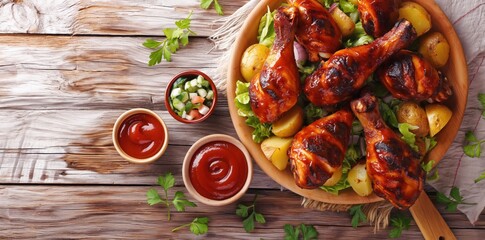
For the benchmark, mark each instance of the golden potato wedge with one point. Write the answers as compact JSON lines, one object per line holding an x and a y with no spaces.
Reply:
{"x":290,"y":123}
{"x":411,"y":113}
{"x":275,"y":149}
{"x":334,"y":179}
{"x":252,"y":60}
{"x":438,"y":116}
{"x":343,"y":22}
{"x":359,"y":180}
{"x":434,"y":48}
{"x":417,"y":15}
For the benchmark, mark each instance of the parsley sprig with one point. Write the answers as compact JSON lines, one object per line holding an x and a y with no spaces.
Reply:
{"x":307,"y":232}
{"x":205,"y":4}
{"x":357,"y":215}
{"x":250,"y":215}
{"x":399,"y":222}
{"x":174,"y":37}
{"x":451,"y":202}
{"x":473,"y":148}
{"x":198,"y":226}
{"x":480,"y":178}
{"x":179,"y":200}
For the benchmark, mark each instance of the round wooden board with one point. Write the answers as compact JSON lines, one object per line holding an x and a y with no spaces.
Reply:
{"x":455,"y":70}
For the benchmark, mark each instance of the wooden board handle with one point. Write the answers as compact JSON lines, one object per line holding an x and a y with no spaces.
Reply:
{"x":429,"y":220}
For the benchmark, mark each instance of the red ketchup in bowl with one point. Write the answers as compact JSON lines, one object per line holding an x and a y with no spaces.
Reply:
{"x":141,"y":135}
{"x":218,"y":170}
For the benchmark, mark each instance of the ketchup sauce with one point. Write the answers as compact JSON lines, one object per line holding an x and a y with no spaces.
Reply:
{"x":218,"y":170}
{"x":141,"y":135}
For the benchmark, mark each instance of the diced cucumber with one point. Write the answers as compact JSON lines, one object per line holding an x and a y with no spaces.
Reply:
{"x":193,"y":83}
{"x":192,"y":95}
{"x":202,"y":92}
{"x":199,"y":85}
{"x":184,"y":97}
{"x":210,"y":94}
{"x":175,"y":92}
{"x":205,"y":84}
{"x":200,"y":79}
{"x":177,"y":104}
{"x":179,"y":83}
{"x":187,"y":85}
{"x":203,"y":110}
{"x":188,"y":117}
{"x":184,"y":114}
{"x":189,"y":106}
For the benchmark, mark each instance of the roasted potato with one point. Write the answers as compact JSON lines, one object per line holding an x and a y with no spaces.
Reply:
{"x":252,"y":60}
{"x":275,"y":149}
{"x":438,"y":116}
{"x":334,"y":179}
{"x":411,"y":113}
{"x":343,"y":21}
{"x":434,"y":48}
{"x":290,"y":123}
{"x":417,"y":15}
{"x":359,"y":180}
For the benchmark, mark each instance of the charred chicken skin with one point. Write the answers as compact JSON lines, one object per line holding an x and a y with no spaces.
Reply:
{"x":392,"y":165}
{"x":408,"y":76}
{"x":378,"y":16}
{"x":318,"y":150}
{"x":347,"y":70}
{"x":316,"y":30}
{"x":275,"y":89}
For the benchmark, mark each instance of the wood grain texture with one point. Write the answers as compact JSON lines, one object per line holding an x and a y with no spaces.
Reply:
{"x":103,"y":17}
{"x":58,"y":72}
{"x":122,"y":212}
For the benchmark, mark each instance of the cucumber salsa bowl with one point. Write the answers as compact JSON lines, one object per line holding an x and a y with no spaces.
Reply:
{"x":191,"y":97}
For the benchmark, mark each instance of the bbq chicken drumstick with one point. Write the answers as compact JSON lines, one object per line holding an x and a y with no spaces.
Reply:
{"x":347,"y":70}
{"x":318,"y":150}
{"x":378,"y":16}
{"x":391,"y":164}
{"x":408,"y":76}
{"x":275,"y":89}
{"x":316,"y":30}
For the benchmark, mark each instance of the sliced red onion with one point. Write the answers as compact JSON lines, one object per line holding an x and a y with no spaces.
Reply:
{"x":300,"y":54}
{"x":332,"y":7}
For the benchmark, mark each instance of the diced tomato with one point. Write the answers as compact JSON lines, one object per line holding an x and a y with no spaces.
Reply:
{"x":194,"y":113}
{"x":197,"y":99}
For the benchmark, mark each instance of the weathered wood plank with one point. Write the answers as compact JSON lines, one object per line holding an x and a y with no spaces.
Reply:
{"x":121,"y":212}
{"x":51,"y":72}
{"x":126,"y":17}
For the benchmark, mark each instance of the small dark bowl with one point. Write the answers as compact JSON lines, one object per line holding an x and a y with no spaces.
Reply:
{"x":190,"y":74}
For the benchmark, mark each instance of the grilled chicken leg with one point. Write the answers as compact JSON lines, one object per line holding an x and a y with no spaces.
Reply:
{"x":316,"y":30}
{"x":408,"y":76}
{"x":346,"y":71}
{"x":318,"y":150}
{"x":378,"y":16}
{"x":275,"y":89}
{"x":392,"y":165}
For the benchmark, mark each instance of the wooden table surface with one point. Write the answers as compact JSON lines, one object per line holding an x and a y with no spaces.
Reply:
{"x":68,"y":69}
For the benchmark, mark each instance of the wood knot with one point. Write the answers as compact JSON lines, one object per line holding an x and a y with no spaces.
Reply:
{"x":19,"y":16}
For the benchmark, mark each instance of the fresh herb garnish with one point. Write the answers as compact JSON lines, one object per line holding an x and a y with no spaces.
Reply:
{"x":431,"y":174}
{"x":481,"y":99}
{"x":173,"y":38}
{"x":474,"y":146}
{"x":451,"y":202}
{"x":357,"y":215}
{"x":388,"y":114}
{"x":198,"y":226}
{"x":430,"y":143}
{"x":313,"y":113}
{"x":307,"y":232}
{"x":205,"y":4}
{"x":480,"y":178}
{"x":407,"y":135}
{"x":399,"y":223}
{"x":179,"y":201}
{"x":427,"y":166}
{"x":249,"y":214}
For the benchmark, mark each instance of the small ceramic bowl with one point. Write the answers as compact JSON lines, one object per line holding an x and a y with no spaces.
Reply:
{"x":243,"y":182}
{"x":190,"y":74}
{"x":163,"y":136}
